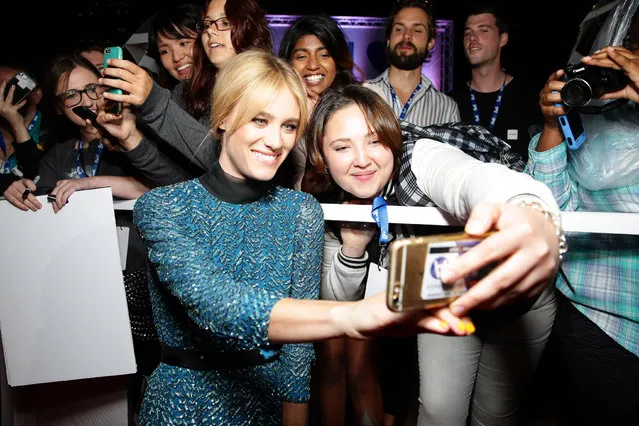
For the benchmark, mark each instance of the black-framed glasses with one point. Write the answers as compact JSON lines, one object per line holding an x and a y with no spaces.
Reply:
{"x":222,"y":24}
{"x":73,"y":97}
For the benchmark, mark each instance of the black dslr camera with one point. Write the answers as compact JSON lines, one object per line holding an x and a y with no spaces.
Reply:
{"x":586,"y":82}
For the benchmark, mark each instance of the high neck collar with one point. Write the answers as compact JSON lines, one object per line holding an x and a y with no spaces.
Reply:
{"x":231,"y":189}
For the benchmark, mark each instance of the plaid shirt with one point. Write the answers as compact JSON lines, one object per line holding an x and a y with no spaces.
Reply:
{"x":472,"y":139}
{"x":601,"y":271}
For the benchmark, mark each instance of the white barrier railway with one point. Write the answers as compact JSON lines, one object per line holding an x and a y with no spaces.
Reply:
{"x":599,"y":223}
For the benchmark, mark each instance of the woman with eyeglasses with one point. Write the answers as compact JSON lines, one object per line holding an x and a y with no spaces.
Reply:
{"x":83,"y":161}
{"x":86,"y":160}
{"x":181,"y":117}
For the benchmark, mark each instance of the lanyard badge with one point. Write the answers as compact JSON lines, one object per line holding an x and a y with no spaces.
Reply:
{"x":380,"y":215}
{"x":79,"y":168}
{"x":495,"y":113}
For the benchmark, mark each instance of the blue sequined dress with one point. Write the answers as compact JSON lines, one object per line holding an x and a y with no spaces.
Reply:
{"x":218,"y":268}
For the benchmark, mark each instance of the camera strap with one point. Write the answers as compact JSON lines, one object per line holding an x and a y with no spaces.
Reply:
{"x":380,"y":215}
{"x":79,"y":166}
{"x":493,"y":117}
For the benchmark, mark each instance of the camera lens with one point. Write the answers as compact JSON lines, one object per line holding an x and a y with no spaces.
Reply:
{"x":576,"y":93}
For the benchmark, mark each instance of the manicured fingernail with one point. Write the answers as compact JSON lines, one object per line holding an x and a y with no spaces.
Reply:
{"x":586,"y":58}
{"x":461,"y":326}
{"x":470,"y":327}
{"x":457,"y":310}
{"x":474,"y":227}
{"x":446,"y":275}
{"x":443,"y":325}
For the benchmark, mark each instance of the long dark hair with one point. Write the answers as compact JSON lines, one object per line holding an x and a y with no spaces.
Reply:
{"x":249,"y":30}
{"x":175,"y":23}
{"x":380,"y":119}
{"x":330,"y":34}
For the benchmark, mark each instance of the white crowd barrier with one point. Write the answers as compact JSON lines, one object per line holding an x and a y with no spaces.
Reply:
{"x":600,"y":223}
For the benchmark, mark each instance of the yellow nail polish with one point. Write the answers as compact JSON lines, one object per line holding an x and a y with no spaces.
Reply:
{"x":443,"y":325}
{"x":470,"y":327}
{"x":462,"y":326}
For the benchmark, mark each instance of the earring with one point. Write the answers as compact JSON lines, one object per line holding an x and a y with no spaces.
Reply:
{"x":326,"y":170}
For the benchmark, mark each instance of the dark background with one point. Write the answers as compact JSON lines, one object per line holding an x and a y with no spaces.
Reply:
{"x":542,"y":32}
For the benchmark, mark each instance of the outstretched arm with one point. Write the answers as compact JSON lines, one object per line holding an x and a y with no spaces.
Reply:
{"x":525,"y":241}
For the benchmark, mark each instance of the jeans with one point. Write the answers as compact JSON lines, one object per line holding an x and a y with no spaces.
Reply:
{"x":483,"y":375}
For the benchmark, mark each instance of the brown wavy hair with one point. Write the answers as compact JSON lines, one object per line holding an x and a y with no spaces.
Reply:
{"x":380,"y":119}
{"x":249,"y":30}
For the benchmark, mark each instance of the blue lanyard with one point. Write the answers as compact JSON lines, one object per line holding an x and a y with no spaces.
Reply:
{"x":35,"y":122}
{"x":79,"y":168}
{"x":3,"y":145}
{"x":402,"y":115}
{"x":380,"y":215}
{"x":493,"y":118}
{"x":6,"y":169}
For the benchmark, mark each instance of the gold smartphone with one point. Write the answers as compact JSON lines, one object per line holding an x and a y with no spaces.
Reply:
{"x":414,"y":271}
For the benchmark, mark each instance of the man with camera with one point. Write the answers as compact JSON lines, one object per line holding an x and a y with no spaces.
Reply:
{"x":597,"y":324}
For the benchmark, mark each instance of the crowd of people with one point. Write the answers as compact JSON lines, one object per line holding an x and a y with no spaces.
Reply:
{"x":231,"y":148}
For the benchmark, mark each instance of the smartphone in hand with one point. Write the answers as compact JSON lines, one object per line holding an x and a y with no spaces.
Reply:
{"x":23,"y":83}
{"x":110,"y":105}
{"x":414,"y":271}
{"x":86,"y":114}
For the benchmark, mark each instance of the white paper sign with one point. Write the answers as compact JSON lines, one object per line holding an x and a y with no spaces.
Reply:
{"x":377,"y":280}
{"x":63,"y":311}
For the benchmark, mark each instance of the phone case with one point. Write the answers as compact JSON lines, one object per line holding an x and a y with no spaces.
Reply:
{"x":414,"y":271}
{"x":85,"y":113}
{"x":24,"y":84}
{"x":111,"y":106}
{"x":573,"y":129}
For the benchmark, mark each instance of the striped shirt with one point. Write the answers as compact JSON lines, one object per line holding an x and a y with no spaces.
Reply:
{"x":428,"y":105}
{"x":601,"y":270}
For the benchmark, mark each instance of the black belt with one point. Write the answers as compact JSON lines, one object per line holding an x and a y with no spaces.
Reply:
{"x":195,"y":360}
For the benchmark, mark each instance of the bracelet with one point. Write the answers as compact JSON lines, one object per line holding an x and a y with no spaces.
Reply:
{"x":525,"y":201}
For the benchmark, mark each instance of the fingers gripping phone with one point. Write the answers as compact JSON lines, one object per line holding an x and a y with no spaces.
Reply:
{"x":414,"y":271}
{"x":86,"y":114}
{"x":24,"y":84}
{"x":111,"y":106}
